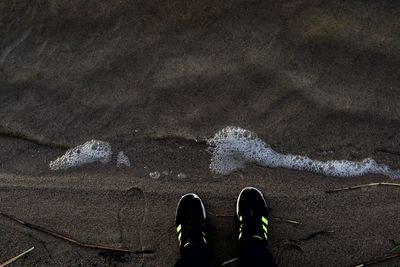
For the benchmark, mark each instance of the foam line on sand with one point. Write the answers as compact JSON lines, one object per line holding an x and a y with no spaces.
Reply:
{"x":234,"y":147}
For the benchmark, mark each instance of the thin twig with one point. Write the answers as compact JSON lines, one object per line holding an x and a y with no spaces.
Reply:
{"x":54,"y":234}
{"x":286,"y":220}
{"x":16,"y":257}
{"x":361,"y":186}
{"x":393,"y":249}
{"x":377,"y":260}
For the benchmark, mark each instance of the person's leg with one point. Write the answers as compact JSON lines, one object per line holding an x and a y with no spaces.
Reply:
{"x":190,"y":227}
{"x":255,"y":253}
{"x":252,"y":213}
{"x":194,"y":257}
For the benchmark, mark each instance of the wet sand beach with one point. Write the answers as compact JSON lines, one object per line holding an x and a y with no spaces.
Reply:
{"x":156,"y":79}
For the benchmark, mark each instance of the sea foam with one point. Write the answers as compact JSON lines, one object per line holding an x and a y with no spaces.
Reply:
{"x":123,"y":160}
{"x":233,"y":147}
{"x":91,"y":151}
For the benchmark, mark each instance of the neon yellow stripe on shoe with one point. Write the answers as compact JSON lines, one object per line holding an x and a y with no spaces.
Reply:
{"x":178,"y":229}
{"x":204,"y":237}
{"x":264,"y":220}
{"x":265,"y":229}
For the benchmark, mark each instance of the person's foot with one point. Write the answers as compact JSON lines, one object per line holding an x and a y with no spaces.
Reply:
{"x":190,"y":222}
{"x":252,"y":212}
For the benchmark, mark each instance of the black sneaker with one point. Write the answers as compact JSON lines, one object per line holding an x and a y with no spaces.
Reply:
{"x":190,"y":222}
{"x":252,"y":212}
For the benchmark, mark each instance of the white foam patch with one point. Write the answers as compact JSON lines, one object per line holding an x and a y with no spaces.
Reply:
{"x":89,"y":152}
{"x":123,"y":160}
{"x":233,"y":147}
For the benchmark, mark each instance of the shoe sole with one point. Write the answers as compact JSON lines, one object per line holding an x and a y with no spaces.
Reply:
{"x":195,"y":196}
{"x":246,"y":188}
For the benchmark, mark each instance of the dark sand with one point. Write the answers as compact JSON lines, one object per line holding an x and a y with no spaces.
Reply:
{"x":317,"y":78}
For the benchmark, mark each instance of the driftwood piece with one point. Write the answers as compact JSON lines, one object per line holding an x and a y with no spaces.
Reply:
{"x":378,"y":260}
{"x":16,"y":257}
{"x":71,"y":240}
{"x":362,"y":186}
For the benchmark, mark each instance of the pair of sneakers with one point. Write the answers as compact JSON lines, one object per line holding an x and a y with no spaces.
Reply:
{"x":251,"y":212}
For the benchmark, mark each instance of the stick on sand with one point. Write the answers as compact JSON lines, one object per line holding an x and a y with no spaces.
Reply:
{"x":57,"y":235}
{"x":17,"y":257}
{"x":374,"y":261}
{"x":286,"y":220}
{"x":361,"y":186}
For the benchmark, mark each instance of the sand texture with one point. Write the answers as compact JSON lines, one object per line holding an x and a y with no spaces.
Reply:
{"x":155,"y":79}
